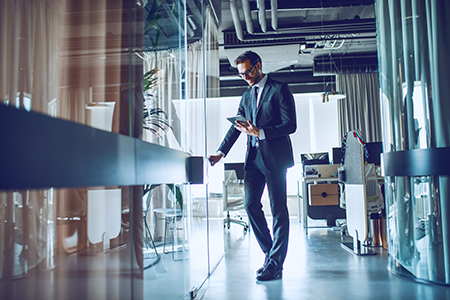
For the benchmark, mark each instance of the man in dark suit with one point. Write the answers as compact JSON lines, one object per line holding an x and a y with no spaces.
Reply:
{"x":269,"y":108}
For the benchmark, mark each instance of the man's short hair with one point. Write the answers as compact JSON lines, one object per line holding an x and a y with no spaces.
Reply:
{"x":250,"y":55}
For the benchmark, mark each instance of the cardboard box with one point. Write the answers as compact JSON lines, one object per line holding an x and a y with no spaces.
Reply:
{"x":327,"y":171}
{"x":322,"y":171}
{"x":323,"y":194}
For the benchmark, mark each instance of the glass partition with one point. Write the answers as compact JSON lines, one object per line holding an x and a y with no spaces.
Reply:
{"x":144,"y":69}
{"x":413,"y":74}
{"x":72,"y":60}
{"x":181,"y":71}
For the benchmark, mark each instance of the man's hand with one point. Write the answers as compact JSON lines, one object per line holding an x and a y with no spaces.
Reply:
{"x":214,"y":158}
{"x":248,"y":128}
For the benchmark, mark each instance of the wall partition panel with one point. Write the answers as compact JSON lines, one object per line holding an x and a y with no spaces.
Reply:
{"x":76,"y":178}
{"x":180,"y":56}
{"x":412,"y":42}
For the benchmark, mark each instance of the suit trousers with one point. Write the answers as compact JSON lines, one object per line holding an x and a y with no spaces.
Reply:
{"x":255,"y":178}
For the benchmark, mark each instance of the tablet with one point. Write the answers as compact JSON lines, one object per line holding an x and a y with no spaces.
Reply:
{"x":238,"y":118}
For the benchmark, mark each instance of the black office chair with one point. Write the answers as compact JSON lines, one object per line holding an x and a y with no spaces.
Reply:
{"x":234,"y":194}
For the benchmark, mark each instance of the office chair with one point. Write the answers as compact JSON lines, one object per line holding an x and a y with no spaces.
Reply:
{"x":233,"y":195}
{"x":170,"y":216}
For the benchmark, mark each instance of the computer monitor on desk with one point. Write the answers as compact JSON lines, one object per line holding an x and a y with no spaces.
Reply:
{"x":320,"y":158}
{"x":374,"y":149}
{"x":337,"y":155}
{"x":237,"y":167}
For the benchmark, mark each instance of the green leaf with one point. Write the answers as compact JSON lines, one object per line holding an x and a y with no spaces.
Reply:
{"x":174,"y":188}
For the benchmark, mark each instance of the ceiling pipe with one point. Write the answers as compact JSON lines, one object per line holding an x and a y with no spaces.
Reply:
{"x":364,"y":29}
{"x":274,"y":14}
{"x":236,"y":20}
{"x":262,"y":15}
{"x":247,"y":16}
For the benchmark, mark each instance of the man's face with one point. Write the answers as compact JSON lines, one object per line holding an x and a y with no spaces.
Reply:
{"x":251,"y":74}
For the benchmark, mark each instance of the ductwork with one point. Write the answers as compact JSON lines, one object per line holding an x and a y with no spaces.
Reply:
{"x":274,"y":14}
{"x":236,"y":20}
{"x":262,"y":15}
{"x":247,"y":16}
{"x":365,"y":29}
{"x":304,"y":5}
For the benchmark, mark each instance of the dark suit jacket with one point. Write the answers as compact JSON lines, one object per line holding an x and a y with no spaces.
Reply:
{"x":276,"y":116}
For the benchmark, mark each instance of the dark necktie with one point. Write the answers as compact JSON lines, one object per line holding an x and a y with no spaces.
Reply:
{"x":254,"y":107}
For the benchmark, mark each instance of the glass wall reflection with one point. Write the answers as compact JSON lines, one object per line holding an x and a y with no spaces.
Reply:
{"x":414,"y":75}
{"x":144,"y":69}
{"x":28,"y":225}
{"x":72,"y":60}
{"x":181,"y":73}
{"x":68,"y":243}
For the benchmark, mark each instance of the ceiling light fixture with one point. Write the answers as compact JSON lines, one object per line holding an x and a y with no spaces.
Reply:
{"x":333,"y":95}
{"x":327,"y":96}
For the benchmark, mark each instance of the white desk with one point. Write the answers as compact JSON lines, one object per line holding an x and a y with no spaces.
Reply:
{"x":304,"y":195}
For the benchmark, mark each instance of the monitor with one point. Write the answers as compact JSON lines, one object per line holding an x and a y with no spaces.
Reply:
{"x":320,"y":158}
{"x":238,"y":167}
{"x":374,"y":149}
{"x":337,"y":155}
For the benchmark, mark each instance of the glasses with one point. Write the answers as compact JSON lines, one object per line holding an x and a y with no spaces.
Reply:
{"x":246,"y":73}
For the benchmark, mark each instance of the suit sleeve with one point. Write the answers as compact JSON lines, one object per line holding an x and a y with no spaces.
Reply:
{"x":232,"y":133}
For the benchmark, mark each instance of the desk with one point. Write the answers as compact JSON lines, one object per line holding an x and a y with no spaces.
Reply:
{"x":304,"y":195}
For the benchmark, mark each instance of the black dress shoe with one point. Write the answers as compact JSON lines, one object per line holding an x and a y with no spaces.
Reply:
{"x":269,"y":273}
{"x":266,"y":262}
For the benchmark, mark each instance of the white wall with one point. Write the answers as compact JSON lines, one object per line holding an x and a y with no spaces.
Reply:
{"x":317,"y":131}
{"x":317,"y":126}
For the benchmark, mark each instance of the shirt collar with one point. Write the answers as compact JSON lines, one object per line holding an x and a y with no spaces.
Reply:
{"x":262,"y":82}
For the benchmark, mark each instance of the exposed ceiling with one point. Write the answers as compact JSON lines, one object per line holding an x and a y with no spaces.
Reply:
{"x":298,"y":41}
{"x":303,"y":42}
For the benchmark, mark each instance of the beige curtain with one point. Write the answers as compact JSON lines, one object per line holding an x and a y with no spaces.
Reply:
{"x":29,"y":53}
{"x":56,"y":57}
{"x":29,"y":79}
{"x":361,"y":108}
{"x":186,"y":78}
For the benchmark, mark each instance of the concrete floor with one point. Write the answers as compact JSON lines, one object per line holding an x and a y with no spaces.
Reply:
{"x":316,"y":267}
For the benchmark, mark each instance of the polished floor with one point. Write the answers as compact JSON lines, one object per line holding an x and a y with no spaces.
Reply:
{"x":316,"y":267}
